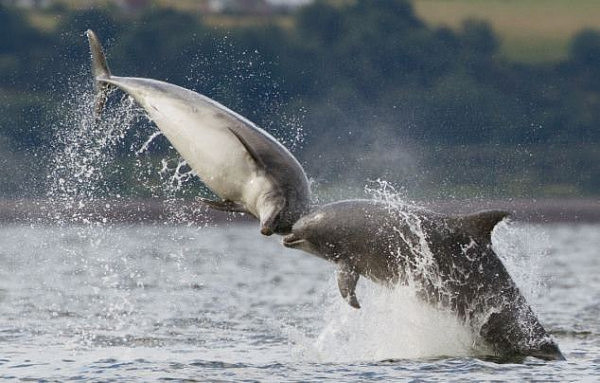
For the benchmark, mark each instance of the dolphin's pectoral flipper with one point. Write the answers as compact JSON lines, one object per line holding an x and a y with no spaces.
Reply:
{"x":347,"y":278}
{"x":223,"y":205}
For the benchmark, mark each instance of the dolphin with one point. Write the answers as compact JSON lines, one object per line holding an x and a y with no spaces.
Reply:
{"x":248,"y":169}
{"x":448,"y":259}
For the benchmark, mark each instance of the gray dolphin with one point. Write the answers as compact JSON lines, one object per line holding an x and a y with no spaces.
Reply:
{"x":449,"y":259}
{"x":242,"y":164}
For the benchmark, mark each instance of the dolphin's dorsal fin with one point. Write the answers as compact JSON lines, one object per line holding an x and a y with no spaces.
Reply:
{"x":347,"y":278}
{"x":481,"y":224}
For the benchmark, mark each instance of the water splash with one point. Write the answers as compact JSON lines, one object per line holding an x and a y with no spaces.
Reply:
{"x":84,"y":152}
{"x":392,"y":324}
{"x":89,"y":154}
{"x":523,"y":252}
{"x":93,"y":158}
{"x":421,"y":272}
{"x":144,"y":148}
{"x":248,"y":77}
{"x":385,"y":191}
{"x":176,"y":176}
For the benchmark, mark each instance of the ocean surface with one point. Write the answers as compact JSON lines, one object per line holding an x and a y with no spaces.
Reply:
{"x":145,"y":303}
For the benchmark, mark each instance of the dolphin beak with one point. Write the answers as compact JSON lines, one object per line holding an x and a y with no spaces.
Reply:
{"x":270,"y":214}
{"x":267,"y":225}
{"x":266,"y":230}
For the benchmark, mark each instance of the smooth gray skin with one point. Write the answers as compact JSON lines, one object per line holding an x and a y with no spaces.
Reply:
{"x":456,"y":267}
{"x":242,"y":164}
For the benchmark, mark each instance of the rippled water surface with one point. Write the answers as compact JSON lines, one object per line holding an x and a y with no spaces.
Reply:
{"x":152,"y":303}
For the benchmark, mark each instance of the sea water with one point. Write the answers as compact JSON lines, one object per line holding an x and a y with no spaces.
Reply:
{"x":169,"y":302}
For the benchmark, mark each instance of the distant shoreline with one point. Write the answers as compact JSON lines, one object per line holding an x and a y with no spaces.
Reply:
{"x":528,"y":210}
{"x":186,"y":211}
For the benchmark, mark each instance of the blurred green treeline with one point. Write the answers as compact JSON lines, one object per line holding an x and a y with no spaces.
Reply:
{"x":377,"y":93}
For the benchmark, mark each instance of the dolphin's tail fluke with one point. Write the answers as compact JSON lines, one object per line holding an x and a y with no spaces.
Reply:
{"x":99,"y":70}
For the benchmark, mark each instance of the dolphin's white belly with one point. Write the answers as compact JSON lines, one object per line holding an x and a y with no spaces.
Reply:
{"x":198,"y":131}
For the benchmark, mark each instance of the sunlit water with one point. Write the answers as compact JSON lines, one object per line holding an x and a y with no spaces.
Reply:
{"x":152,"y":303}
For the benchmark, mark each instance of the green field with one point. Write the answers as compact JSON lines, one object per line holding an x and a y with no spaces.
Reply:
{"x":530,"y":30}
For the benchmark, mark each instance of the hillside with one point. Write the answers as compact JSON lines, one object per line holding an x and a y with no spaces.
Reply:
{"x":529,"y":30}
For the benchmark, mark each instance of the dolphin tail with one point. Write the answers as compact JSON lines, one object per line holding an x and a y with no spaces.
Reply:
{"x":99,"y":70}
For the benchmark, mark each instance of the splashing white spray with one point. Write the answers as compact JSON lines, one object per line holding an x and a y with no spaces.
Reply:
{"x":520,"y":251}
{"x":392,"y":324}
{"x":84,"y":152}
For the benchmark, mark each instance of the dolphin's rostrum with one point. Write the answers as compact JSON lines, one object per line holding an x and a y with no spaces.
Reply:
{"x":242,"y":164}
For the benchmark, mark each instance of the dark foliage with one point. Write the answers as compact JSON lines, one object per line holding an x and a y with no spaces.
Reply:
{"x":365,"y":67}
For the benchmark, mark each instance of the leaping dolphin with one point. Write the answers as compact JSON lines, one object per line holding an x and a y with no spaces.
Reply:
{"x":449,"y":259}
{"x":241,"y":163}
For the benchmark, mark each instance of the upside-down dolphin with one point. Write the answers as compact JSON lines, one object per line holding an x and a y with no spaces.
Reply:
{"x":242,"y":164}
{"x":449,"y":259}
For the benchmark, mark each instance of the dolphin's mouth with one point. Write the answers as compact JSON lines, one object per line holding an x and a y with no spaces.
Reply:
{"x":291,"y":240}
